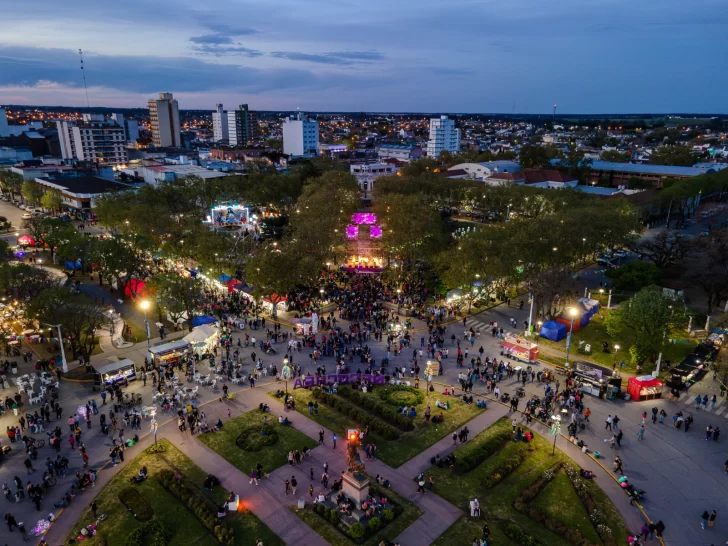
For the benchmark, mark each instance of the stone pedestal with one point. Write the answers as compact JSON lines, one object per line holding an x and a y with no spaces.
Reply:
{"x":355,"y":486}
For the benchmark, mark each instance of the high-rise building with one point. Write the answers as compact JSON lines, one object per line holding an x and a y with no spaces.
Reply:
{"x":94,"y":139}
{"x":300,"y":137}
{"x":219,"y":123}
{"x":443,"y":136}
{"x":4,"y":129}
{"x":164,"y":119}
{"x":242,"y":126}
{"x":130,"y":126}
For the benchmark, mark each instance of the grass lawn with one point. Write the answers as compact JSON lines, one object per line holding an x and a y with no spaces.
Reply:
{"x":333,"y":536}
{"x":186,"y":528}
{"x":271,"y":456}
{"x":596,"y":333}
{"x":396,"y":452}
{"x":559,"y":501}
{"x":464,"y":530}
{"x":497,"y":503}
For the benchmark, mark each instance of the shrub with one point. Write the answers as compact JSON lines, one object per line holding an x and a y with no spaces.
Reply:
{"x":477,"y":453}
{"x":385,"y":430}
{"x":401,"y":395}
{"x":357,"y":531}
{"x":254,"y":439}
{"x":334,"y":516}
{"x":505,"y":468}
{"x":517,"y":534}
{"x":136,"y":504}
{"x":159,"y":532}
{"x":380,"y":409}
{"x":374,"y":524}
{"x":388,"y":515}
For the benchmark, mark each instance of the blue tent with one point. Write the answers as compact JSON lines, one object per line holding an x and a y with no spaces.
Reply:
{"x":552,"y":330}
{"x":202,"y":319}
{"x":224,"y":277}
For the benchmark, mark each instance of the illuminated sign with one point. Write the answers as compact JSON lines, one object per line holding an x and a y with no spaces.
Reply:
{"x":340,"y":378}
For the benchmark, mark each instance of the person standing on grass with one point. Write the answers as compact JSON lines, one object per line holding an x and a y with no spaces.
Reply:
{"x":431,"y":482}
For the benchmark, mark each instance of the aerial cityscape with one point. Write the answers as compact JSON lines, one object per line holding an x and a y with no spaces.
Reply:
{"x":382,"y":275}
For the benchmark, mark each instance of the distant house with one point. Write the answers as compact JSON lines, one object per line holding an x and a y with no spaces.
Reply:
{"x":480,"y":171}
{"x":399,"y":152}
{"x":619,"y":174}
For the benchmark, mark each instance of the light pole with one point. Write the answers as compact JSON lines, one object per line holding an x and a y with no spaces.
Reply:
{"x":555,"y":430}
{"x":609,"y":300}
{"x":145,"y":306}
{"x":64,"y":364}
{"x":321,"y":291}
{"x":530,"y":314}
{"x":572,"y":314}
{"x":285,"y":372}
{"x":399,"y":291}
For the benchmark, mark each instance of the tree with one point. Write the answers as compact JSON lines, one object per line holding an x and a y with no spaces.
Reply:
{"x":11,"y":182}
{"x":31,"y":191}
{"x":665,"y":249}
{"x":579,"y":167}
{"x":22,"y":281}
{"x":673,"y":155}
{"x":51,"y":200}
{"x":535,"y":157}
{"x":712,"y":276}
{"x":57,"y":233}
{"x":177,"y":293}
{"x":635,"y":275}
{"x":80,"y":318}
{"x":642,"y":323}
{"x":615,"y":156}
{"x":120,"y":255}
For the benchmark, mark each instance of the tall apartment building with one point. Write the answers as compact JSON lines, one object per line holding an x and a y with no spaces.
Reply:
{"x":300,"y":136}
{"x":164,"y":119}
{"x":219,"y":123}
{"x":242,"y":126}
{"x":130,"y":126}
{"x":443,"y":136}
{"x":4,"y":128}
{"x":95,"y":139}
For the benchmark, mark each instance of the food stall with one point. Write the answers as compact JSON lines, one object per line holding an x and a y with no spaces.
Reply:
{"x":592,"y":378}
{"x":303,"y":326}
{"x":520,"y":348}
{"x":203,"y":338}
{"x":169,"y":353}
{"x":111,"y":371}
{"x":644,"y":387}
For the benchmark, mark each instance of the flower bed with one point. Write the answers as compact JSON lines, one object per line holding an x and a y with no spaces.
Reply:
{"x":254,"y":439}
{"x":136,"y":504}
{"x":203,"y":509}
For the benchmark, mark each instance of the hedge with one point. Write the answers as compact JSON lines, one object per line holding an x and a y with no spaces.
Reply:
{"x":252,"y":439}
{"x":387,"y":395}
{"x":517,"y":534}
{"x":203,"y":509}
{"x":386,"y":431}
{"x":506,"y":467}
{"x":479,"y":452}
{"x":136,"y":504}
{"x":160,"y":534}
{"x":380,"y":409}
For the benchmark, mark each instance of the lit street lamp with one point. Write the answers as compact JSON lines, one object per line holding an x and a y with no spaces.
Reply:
{"x":145,"y":306}
{"x":555,"y":430}
{"x":286,"y":371}
{"x":398,"y":293}
{"x":64,"y":364}
{"x":572,"y":314}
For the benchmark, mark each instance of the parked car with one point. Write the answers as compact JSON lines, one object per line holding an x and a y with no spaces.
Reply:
{"x":27,"y":216}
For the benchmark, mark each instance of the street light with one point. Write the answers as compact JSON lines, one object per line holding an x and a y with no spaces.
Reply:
{"x":572,"y":314}
{"x":64,"y":364}
{"x":398,"y":293}
{"x":144,"y":304}
{"x":555,"y":430}
{"x":285,"y":372}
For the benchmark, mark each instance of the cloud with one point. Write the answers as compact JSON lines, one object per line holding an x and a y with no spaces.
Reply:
{"x":219,"y":45}
{"x":27,"y":66}
{"x":344,"y":58}
{"x":229,"y":30}
{"x":215,"y":39}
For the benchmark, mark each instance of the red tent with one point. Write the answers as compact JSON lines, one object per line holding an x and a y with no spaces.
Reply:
{"x":644,"y":388}
{"x":26,"y":240}
{"x":232,"y":283}
{"x":135,"y":288}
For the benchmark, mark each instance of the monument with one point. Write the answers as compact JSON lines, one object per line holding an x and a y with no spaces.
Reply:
{"x":355,"y":484}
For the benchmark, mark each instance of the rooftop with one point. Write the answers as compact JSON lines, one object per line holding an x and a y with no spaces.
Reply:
{"x":83,"y":184}
{"x":666,"y":170}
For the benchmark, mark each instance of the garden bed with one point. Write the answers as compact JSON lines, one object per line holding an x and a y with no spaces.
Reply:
{"x":395,"y":445}
{"x":122,"y":529}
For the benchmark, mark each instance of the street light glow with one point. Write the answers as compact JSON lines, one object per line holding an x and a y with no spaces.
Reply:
{"x":572,"y":312}
{"x":144,"y":304}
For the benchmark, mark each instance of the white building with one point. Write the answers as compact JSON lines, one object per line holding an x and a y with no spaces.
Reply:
{"x":4,"y":128}
{"x":219,"y":124}
{"x":443,"y":136}
{"x":300,"y":137}
{"x":130,"y":126}
{"x":164,"y":119}
{"x":367,"y":173}
{"x":95,"y":139}
{"x":479,"y":171}
{"x":157,"y":174}
{"x":81,"y":192}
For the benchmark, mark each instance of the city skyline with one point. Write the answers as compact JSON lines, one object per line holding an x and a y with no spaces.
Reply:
{"x":523,"y":56}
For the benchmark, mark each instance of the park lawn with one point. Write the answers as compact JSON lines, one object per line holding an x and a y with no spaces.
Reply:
{"x":271,"y":457}
{"x":497,"y":503}
{"x":410,"y":513}
{"x":186,"y":528}
{"x":464,"y":530}
{"x":395,"y":452}
{"x":595,"y":334}
{"x":560,"y":501}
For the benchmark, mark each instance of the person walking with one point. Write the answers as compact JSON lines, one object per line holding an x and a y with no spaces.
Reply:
{"x":288,"y":487}
{"x":608,"y":425}
{"x":615,"y":422}
{"x":711,"y":519}
{"x":611,"y":441}
{"x":641,"y":433}
{"x":421,"y":485}
{"x":716,"y":433}
{"x":654,"y":415}
{"x":254,"y":477}
{"x":29,"y":465}
{"x":708,"y":433}
{"x":713,"y":400}
{"x":704,"y":519}
{"x":587,"y":413}
{"x":644,"y":417}
{"x":24,"y":532}
{"x":321,"y":437}
{"x":618,"y":438}
{"x":431,"y":482}
{"x":333,"y":439}
{"x":11,"y":521}
{"x":310,"y":490}
{"x":294,"y":484}
{"x":698,"y":399}
{"x":688,"y":422}
{"x":618,"y":465}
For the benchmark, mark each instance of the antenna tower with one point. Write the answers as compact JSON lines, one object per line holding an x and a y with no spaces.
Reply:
{"x":80,"y":53}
